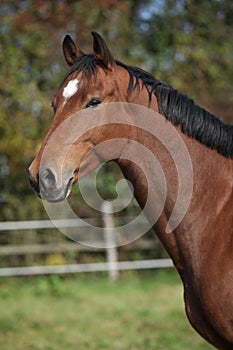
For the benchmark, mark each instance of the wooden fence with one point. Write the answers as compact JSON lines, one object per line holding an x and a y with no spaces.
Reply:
{"x":112,"y":265}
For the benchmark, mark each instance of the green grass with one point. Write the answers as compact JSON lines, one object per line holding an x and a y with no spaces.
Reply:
{"x":141,"y":311}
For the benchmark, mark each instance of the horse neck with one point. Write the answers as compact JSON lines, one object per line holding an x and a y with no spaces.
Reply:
{"x":212,"y":175}
{"x":210,"y":201}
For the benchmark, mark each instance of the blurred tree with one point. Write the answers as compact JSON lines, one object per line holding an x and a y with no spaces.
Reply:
{"x":187,"y":43}
{"x":31,"y":66}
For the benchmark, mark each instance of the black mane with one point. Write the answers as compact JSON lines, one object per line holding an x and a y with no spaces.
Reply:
{"x":194,"y":121}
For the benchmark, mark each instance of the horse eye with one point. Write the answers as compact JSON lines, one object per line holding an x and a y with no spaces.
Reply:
{"x":93,"y":103}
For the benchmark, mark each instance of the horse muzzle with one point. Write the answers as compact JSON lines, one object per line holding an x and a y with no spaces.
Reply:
{"x":46,"y":186}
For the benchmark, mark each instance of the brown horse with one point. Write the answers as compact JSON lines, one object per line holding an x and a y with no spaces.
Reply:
{"x":201,"y":245}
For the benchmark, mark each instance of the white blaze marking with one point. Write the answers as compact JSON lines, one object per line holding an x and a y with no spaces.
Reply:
{"x":70,"y":89}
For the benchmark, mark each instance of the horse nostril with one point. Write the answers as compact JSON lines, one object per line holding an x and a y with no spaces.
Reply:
{"x":34,"y":182}
{"x":48,"y":179}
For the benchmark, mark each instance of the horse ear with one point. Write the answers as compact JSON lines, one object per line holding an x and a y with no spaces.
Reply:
{"x":101,"y":51}
{"x":71,"y":51}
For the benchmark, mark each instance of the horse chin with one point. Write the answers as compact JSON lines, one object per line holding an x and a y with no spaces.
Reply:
{"x":54,"y":200}
{"x":58,"y":199}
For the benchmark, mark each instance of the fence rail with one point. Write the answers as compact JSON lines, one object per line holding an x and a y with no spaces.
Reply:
{"x":112,"y":265}
{"x":93,"y":267}
{"x":43,"y":224}
{"x":40,"y":248}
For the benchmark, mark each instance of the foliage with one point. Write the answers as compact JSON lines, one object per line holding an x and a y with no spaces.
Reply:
{"x":191,"y":42}
{"x":187,"y":43}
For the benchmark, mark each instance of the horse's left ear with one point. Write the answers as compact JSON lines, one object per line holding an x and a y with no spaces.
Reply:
{"x":101,"y":51}
{"x":71,"y":51}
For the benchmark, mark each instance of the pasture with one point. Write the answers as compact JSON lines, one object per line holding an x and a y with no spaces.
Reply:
{"x":141,"y":311}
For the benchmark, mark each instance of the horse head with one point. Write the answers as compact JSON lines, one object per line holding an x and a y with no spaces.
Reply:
{"x":92,"y":80}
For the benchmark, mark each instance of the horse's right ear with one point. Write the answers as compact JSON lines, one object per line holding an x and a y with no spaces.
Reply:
{"x":71,"y":51}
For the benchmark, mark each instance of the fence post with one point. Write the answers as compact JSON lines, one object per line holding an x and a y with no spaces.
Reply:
{"x":110,"y":242}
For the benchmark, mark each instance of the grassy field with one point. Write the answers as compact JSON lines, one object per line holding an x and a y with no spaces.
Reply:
{"x":141,"y":311}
